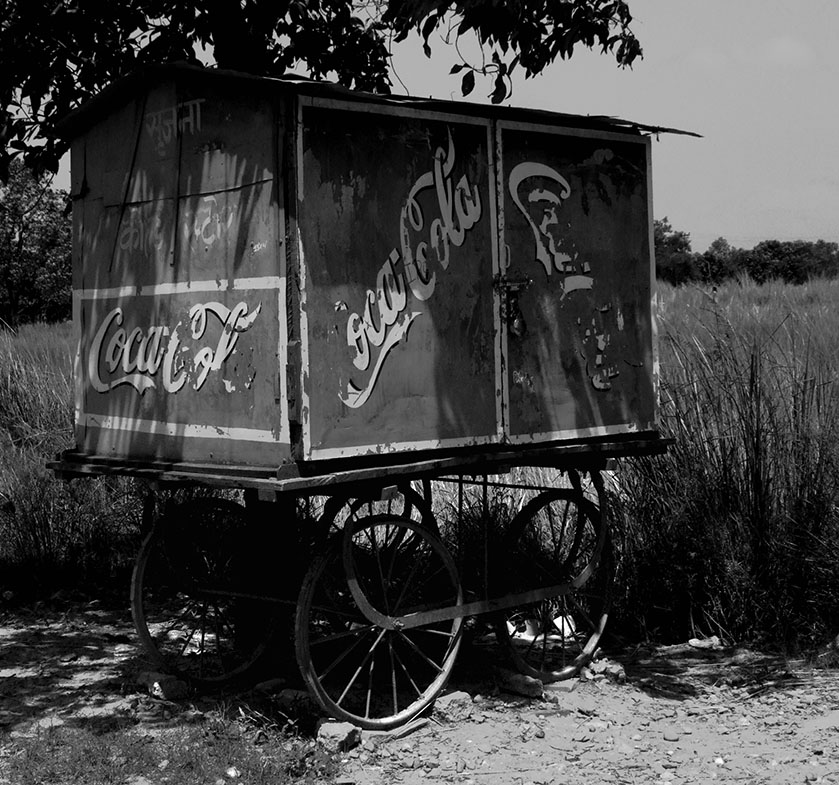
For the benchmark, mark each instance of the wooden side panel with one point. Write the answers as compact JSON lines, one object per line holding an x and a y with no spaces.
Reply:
{"x":181,"y":298}
{"x":578,"y":332}
{"x":398,"y":246}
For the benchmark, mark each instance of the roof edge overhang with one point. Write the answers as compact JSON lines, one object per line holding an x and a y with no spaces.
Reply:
{"x":123,"y":90}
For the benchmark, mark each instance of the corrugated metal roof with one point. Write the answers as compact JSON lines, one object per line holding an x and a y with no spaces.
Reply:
{"x":123,"y":90}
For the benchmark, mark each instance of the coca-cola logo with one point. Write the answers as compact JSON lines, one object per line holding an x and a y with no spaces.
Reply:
{"x":384,"y":319}
{"x":158,"y":355}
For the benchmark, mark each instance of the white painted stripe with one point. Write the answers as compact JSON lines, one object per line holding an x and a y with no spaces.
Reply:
{"x":157,"y":428}
{"x":574,"y":434}
{"x":78,"y":377}
{"x":181,"y":287}
{"x":394,"y":447}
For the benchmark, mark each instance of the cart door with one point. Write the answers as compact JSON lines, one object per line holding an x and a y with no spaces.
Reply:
{"x":576,"y":283}
{"x":398,"y":249}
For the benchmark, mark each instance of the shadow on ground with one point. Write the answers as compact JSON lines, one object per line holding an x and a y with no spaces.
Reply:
{"x":684,"y":670}
{"x":66,"y":665}
{"x":77,"y":664}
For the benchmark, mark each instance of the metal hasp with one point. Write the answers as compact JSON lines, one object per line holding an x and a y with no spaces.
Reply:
{"x":285,"y":276}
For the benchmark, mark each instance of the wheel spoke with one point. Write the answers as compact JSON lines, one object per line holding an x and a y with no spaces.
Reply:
{"x":337,"y":636}
{"x":407,"y":675}
{"x":187,"y":560}
{"x":361,"y":666}
{"x":378,"y":677}
{"x":343,"y":655}
{"x":393,"y":675}
{"x":557,"y":537}
{"x":419,"y":651}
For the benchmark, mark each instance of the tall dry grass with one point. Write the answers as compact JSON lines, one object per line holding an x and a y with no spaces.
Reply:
{"x":736,"y":530}
{"x":53,"y":534}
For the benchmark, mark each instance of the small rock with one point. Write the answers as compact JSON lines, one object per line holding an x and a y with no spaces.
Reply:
{"x":194,"y":716}
{"x":712,"y":644}
{"x":671,"y":734}
{"x":169,"y":689}
{"x":454,"y":707}
{"x":270,"y":685}
{"x":611,"y":670}
{"x":557,"y":688}
{"x":519,"y":683}
{"x":338,"y":736}
{"x":233,"y":773}
{"x":163,"y":686}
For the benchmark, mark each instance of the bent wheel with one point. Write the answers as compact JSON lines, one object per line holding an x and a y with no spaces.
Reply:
{"x":376,"y":677}
{"x":558,"y":539}
{"x":195,"y":596}
{"x":406,"y":502}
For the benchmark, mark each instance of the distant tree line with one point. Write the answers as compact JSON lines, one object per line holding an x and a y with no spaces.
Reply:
{"x":792,"y":261}
{"x":35,"y":250}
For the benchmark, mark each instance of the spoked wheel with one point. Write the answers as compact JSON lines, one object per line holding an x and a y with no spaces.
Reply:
{"x":558,"y":539}
{"x":197,"y":605}
{"x":369,"y":674}
{"x":404,"y":502}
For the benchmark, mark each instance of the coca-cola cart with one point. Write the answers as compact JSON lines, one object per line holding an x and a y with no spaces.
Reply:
{"x":290,"y":292}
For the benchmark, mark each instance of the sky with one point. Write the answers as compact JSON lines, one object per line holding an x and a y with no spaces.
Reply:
{"x":759,"y":79}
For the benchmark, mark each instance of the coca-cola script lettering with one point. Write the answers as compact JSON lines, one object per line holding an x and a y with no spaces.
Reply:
{"x":383,"y":320}
{"x":158,"y":355}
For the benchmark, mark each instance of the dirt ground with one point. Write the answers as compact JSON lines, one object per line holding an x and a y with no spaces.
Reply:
{"x":677,"y":714}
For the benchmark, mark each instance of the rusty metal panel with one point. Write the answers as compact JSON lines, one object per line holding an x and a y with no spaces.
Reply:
{"x":181,"y":303}
{"x":577,"y":285}
{"x":183,"y":368}
{"x":397,"y":244}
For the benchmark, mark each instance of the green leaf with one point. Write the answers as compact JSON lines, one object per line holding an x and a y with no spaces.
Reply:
{"x":500,"y":91}
{"x":467,"y":85}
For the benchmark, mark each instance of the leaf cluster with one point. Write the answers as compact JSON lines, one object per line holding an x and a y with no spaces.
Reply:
{"x":54,"y":55}
{"x":525,"y":34}
{"x":35,"y":249}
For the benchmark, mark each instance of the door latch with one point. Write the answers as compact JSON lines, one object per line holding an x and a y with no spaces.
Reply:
{"x":510,"y":288}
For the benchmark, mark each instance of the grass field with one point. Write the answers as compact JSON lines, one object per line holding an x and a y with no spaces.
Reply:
{"x":734,"y":532}
{"x":54,"y":534}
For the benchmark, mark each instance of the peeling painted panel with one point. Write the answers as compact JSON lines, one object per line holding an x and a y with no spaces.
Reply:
{"x":579,"y":328}
{"x":396,"y":227}
{"x":459,"y":278}
{"x":229,"y":233}
{"x":182,"y":366}
{"x":227,"y":139}
{"x":181,"y":302}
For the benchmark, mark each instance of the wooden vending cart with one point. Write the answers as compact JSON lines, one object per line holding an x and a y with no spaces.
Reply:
{"x":289,"y":289}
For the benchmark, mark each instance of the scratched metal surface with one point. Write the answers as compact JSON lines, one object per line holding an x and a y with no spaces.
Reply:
{"x":401,"y":347}
{"x":576,"y":225}
{"x":179,"y":296}
{"x":457,"y":278}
